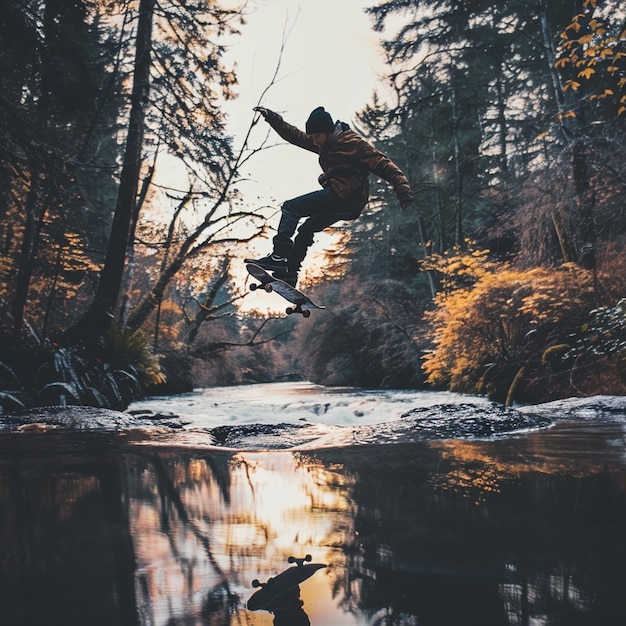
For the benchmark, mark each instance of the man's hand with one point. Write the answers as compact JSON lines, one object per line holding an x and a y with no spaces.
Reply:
{"x":405,"y":201}
{"x":262,"y":110}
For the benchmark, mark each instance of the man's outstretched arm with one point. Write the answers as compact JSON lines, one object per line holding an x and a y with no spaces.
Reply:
{"x":288,"y":132}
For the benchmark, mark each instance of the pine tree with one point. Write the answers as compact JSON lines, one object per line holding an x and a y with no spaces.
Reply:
{"x":53,"y":118}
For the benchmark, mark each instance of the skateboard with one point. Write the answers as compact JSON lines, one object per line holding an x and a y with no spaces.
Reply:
{"x":269,"y":594}
{"x":303,"y":304}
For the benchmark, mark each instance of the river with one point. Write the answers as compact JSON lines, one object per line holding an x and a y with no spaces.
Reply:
{"x":294,"y":402}
{"x":436,"y":522}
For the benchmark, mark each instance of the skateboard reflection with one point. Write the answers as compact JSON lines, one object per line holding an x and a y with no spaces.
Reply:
{"x":280,"y":595}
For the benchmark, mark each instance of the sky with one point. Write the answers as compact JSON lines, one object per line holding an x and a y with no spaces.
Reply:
{"x":331,"y":58}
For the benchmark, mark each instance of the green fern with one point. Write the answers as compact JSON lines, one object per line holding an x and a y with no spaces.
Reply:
{"x":111,"y":377}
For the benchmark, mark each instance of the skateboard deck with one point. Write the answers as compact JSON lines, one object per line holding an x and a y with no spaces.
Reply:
{"x":303,"y":304}
{"x":286,"y":581}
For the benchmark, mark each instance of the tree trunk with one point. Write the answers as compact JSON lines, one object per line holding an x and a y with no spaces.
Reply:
{"x":555,"y":79}
{"x":141,"y":313}
{"x":100,"y":314}
{"x":583,"y":232}
{"x":458,"y":214}
{"x":502,"y":126}
{"x":34,"y":209}
{"x":130,"y":261}
{"x":206,"y":307}
{"x":34,"y":204}
{"x":421,"y":226}
{"x":561,"y":231}
{"x":585,"y":200}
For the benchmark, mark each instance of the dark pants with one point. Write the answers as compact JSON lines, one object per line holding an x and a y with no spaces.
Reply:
{"x":322,"y":209}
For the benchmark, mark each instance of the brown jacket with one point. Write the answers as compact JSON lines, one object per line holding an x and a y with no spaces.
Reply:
{"x":346,"y":160}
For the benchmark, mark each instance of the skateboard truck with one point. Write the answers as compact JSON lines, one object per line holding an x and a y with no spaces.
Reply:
{"x":267,"y":286}
{"x":292,"y":559}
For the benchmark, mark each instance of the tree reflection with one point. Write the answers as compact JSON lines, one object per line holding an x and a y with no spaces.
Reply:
{"x":459,"y":539}
{"x":206,"y":525}
{"x":445,"y":533}
{"x":65,"y":541}
{"x":178,"y":500}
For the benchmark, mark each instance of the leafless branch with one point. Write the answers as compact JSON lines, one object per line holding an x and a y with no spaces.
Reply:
{"x":222,"y":346}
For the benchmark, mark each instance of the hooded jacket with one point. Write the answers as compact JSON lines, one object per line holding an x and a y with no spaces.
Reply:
{"x":346,"y":160}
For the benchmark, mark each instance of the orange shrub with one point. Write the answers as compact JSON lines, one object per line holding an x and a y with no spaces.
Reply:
{"x":495,"y":330}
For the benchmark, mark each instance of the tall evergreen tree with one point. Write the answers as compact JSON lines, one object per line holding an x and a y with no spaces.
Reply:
{"x":177,"y":78}
{"x":52,"y":121}
{"x":489,"y":69}
{"x":98,"y":317}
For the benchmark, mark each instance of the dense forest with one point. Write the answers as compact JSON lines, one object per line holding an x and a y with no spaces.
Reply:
{"x":505,"y":277}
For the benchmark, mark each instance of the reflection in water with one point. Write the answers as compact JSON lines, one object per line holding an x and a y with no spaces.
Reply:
{"x":520,"y":531}
{"x":280,"y":595}
{"x":207,"y":525}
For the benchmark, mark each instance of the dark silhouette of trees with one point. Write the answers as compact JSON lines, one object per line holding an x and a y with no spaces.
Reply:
{"x":100,"y":313}
{"x":92,"y":94}
{"x":176,"y":107}
{"x":56,"y":126}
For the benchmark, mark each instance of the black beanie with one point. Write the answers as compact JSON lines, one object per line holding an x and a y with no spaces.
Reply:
{"x":319,"y":121}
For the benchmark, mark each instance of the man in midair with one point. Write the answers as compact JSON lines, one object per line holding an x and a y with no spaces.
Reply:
{"x":346,"y":160}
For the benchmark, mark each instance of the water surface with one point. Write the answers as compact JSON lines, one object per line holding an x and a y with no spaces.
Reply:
{"x":294,"y":402}
{"x":527,"y":529}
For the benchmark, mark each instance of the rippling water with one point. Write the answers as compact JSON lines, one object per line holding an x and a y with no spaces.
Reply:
{"x":296,"y":402}
{"x":522,"y":530}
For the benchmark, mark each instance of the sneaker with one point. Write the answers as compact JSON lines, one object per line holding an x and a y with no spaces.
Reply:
{"x":271,"y":263}
{"x":291,"y":278}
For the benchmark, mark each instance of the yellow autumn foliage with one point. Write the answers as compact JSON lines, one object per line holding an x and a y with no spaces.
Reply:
{"x":593,"y":43}
{"x":500,"y":320}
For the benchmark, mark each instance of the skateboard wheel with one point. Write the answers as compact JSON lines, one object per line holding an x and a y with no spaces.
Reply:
{"x":306,"y":313}
{"x":289,"y":311}
{"x":253,"y":287}
{"x":268,"y":288}
{"x":256,"y":583}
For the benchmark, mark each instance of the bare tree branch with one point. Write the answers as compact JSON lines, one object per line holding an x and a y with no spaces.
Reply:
{"x":222,"y":346}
